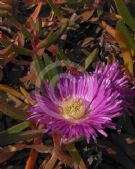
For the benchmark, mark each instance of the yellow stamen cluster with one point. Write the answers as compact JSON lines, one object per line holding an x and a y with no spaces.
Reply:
{"x":73,"y":109}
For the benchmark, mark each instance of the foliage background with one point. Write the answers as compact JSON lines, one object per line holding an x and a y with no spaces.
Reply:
{"x":77,"y":33}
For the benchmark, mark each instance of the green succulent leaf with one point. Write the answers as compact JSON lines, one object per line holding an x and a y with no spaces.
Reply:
{"x":124,"y":30}
{"x":124,"y":12}
{"x":56,"y":10}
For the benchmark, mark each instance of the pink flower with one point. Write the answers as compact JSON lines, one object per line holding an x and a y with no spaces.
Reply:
{"x":82,"y":105}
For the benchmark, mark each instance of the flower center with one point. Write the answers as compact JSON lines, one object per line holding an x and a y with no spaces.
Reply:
{"x":73,"y":109}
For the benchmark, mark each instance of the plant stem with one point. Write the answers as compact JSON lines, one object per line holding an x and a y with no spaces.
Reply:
{"x":76,"y":156}
{"x":50,"y":164}
{"x":30,"y":164}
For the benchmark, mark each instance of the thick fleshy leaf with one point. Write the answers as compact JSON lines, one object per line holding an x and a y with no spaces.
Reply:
{"x":11,"y":91}
{"x":61,"y":54}
{"x":13,"y":21}
{"x":124,"y":30}
{"x":26,"y":33}
{"x":5,"y":42}
{"x":35,"y":14}
{"x":4,"y":6}
{"x":12,"y":112}
{"x":18,"y":147}
{"x":6,"y":51}
{"x":76,"y":156}
{"x":23,"y":51}
{"x":39,"y":67}
{"x":124,"y":12}
{"x":52,"y":37}
{"x":90,"y":57}
{"x":50,"y":71}
{"x":19,"y":127}
{"x":125,"y":51}
{"x":6,"y":138}
{"x":25,"y":93}
{"x":19,"y":26}
{"x":54,"y":8}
